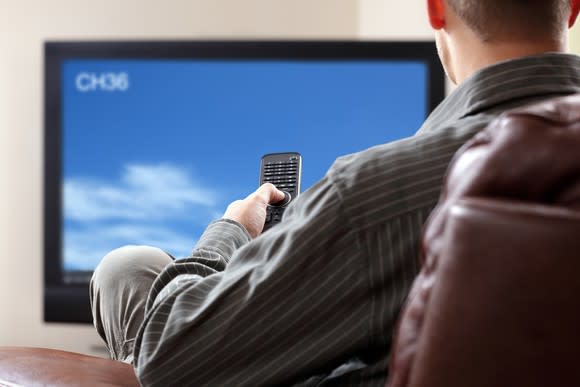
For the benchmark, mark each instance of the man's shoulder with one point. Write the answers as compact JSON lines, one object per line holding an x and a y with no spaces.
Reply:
{"x":377,"y":159}
{"x":410,"y":154}
{"x":396,"y":178}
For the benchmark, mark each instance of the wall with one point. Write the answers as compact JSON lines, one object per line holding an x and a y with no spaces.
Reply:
{"x":575,"y":38}
{"x":402,"y":20}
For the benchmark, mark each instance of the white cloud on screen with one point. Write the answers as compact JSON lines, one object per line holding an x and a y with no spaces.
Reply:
{"x":142,"y":207}
{"x":85,"y":247}
{"x":144,"y":192}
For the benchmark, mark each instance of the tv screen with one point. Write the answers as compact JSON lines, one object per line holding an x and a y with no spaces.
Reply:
{"x":148,"y":142}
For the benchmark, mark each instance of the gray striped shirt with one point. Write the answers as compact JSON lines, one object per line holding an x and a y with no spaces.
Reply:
{"x":314,"y":300}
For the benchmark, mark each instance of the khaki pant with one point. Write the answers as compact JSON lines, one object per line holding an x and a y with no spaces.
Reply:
{"x":118,"y":293}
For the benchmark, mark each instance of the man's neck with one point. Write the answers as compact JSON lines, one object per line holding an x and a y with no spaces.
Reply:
{"x":485,"y":54}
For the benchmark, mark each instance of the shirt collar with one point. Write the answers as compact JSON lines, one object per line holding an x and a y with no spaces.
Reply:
{"x":506,"y":82}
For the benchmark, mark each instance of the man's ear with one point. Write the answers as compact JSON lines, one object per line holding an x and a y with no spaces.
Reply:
{"x":436,"y":9}
{"x":575,"y":5}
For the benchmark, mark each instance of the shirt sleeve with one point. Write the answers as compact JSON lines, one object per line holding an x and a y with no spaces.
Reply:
{"x":287,"y":305}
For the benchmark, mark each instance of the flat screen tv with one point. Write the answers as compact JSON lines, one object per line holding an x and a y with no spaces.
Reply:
{"x":147,"y":142}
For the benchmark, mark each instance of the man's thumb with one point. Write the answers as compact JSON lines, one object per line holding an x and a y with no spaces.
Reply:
{"x":274,"y":194}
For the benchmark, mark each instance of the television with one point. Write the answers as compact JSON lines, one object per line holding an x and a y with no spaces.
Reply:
{"x":146,"y":142}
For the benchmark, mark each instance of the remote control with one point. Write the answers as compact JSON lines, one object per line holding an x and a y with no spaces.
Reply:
{"x":284,"y":170}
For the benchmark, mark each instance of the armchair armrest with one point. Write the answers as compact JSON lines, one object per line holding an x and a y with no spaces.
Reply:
{"x":50,"y":367}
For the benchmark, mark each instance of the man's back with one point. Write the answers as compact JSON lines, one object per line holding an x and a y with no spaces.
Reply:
{"x":389,"y":190}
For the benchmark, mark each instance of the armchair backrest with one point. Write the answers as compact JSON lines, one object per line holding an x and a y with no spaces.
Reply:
{"x":497,"y":302}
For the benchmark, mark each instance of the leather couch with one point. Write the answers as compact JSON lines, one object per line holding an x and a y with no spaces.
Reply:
{"x":495,"y":303}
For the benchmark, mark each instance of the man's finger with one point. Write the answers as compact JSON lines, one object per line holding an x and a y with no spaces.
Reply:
{"x":269,"y":193}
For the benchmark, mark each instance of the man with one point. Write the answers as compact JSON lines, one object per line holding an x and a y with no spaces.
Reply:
{"x":314,"y":300}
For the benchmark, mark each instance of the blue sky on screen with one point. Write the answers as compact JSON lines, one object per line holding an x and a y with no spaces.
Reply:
{"x":154,"y":161}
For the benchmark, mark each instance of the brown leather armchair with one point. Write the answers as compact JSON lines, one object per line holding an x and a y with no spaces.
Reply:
{"x":496,"y":301}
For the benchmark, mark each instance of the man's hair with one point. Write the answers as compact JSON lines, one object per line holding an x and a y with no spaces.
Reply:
{"x":499,"y":19}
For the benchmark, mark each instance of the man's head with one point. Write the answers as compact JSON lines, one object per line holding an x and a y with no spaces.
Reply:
{"x":475,"y":33}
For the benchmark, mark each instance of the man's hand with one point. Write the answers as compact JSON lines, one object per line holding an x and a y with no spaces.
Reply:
{"x":251,"y":212}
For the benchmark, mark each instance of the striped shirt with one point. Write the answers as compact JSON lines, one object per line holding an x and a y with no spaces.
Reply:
{"x":315,"y":299}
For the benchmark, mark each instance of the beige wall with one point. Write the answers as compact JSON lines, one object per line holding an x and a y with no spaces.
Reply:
{"x":575,"y":39}
{"x":402,"y":20}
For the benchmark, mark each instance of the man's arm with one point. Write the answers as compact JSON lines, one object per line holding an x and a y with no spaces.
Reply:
{"x":288,"y":304}
{"x":219,"y":241}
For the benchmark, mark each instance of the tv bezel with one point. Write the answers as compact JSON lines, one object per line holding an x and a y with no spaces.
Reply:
{"x":70,"y":302}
